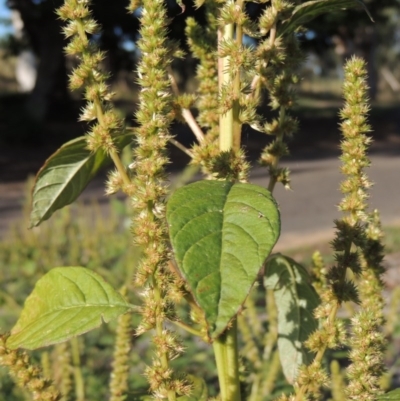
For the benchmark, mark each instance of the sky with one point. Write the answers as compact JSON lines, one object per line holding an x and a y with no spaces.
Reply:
{"x":4,"y":13}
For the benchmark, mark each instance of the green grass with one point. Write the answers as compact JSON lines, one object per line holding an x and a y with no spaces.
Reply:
{"x":88,"y":236}
{"x":99,"y":238}
{"x":96,"y":237}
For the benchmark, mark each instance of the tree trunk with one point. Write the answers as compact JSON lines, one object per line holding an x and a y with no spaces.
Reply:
{"x":43,"y":29}
{"x":362,"y":44}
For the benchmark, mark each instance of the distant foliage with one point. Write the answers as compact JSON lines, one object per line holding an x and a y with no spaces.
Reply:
{"x":196,"y":256}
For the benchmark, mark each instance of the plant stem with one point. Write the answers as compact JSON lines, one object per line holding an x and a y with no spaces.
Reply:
{"x":159,"y":329}
{"x":272,"y":35}
{"x":271,"y":378}
{"x":45,"y":362}
{"x":220,"y":359}
{"x":113,"y":154}
{"x":279,"y":139}
{"x":256,"y":79}
{"x":331,"y":322}
{"x":192,"y":123}
{"x":237,"y":125}
{"x":186,"y":113}
{"x":186,"y":327}
{"x":100,"y":117}
{"x":320,"y":354}
{"x":181,"y":147}
{"x":225,"y":346}
{"x":227,"y":359}
{"x":76,"y":361}
{"x":120,"y":167}
{"x":226,"y":120}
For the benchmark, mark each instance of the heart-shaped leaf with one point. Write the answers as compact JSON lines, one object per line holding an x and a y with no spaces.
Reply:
{"x":66,"y":302}
{"x":65,"y":175}
{"x":221,"y":234}
{"x":309,"y":10}
{"x":295,"y":300}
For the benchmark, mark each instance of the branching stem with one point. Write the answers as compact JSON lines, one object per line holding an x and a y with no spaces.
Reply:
{"x":181,"y":147}
{"x":186,"y":113}
{"x":187,"y":328}
{"x":113,"y":154}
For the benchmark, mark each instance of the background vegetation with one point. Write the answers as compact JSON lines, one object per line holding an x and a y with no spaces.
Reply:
{"x":76,"y":238}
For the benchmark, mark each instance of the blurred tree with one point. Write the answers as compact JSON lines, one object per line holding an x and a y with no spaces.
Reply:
{"x":43,"y":33}
{"x":352,"y":32}
{"x":42,"y":30}
{"x":348,"y":31}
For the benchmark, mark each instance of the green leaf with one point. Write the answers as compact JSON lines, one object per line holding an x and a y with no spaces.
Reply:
{"x":221,"y":234}
{"x":66,"y":302}
{"x":65,"y":175}
{"x":309,"y":10}
{"x":390,"y":396}
{"x":295,"y":300}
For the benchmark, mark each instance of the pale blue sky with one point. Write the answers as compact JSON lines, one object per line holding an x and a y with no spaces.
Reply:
{"x":4,"y":13}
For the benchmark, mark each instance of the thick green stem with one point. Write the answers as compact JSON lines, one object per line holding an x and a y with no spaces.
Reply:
{"x":225,"y":347}
{"x":236,"y":123}
{"x":227,"y":359}
{"x":226,"y":120}
{"x":220,"y":360}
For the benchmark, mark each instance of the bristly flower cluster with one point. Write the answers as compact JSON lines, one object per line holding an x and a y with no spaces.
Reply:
{"x":107,"y":124}
{"x":278,"y":60}
{"x":27,"y":376}
{"x":155,"y":114}
{"x":236,"y":91}
{"x":202,"y":42}
{"x":65,"y":369}
{"x":119,"y":375}
{"x":367,"y":340}
{"x":357,"y":249}
{"x":318,"y":273}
